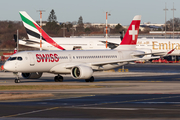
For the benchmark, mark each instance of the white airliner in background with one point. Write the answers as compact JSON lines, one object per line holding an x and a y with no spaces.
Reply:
{"x":159,"y":45}
{"x":79,"y":63}
{"x":60,"y":43}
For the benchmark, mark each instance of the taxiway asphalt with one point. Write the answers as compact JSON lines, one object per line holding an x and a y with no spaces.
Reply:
{"x":147,"y":91}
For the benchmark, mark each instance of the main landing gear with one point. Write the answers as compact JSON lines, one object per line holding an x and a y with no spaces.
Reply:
{"x":91,"y":79}
{"x":58,"y":78}
{"x":17,"y":80}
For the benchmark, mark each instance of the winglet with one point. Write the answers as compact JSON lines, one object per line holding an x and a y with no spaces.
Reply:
{"x":171,"y":51}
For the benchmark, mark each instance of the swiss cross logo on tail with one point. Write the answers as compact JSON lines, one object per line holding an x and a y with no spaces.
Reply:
{"x":133,"y":32}
{"x":131,"y":35}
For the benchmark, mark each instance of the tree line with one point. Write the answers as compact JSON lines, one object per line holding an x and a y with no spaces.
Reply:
{"x":55,"y":29}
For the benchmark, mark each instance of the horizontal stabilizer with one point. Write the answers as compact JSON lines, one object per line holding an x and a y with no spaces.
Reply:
{"x":110,"y":44}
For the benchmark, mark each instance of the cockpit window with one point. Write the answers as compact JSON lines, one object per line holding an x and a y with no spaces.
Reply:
{"x":8,"y":58}
{"x":14,"y":58}
{"x":19,"y":58}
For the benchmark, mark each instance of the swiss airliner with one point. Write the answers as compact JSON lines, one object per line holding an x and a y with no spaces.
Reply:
{"x":79,"y":63}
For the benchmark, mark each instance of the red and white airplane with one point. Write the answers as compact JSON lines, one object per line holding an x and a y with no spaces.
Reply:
{"x":80,"y":64}
{"x":60,"y":43}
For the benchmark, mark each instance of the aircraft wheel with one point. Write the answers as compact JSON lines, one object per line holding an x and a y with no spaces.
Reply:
{"x":91,"y":79}
{"x":60,"y":78}
{"x":17,"y":81}
{"x":56,"y":79}
{"x":87,"y":80}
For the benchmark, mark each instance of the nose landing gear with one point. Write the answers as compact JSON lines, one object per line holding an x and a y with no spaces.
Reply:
{"x":17,"y":80}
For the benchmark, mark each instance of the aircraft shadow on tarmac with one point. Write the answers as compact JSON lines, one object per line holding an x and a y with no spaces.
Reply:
{"x":137,"y":68}
{"x":107,"y":79}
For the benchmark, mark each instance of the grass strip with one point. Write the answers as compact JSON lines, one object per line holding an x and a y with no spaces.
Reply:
{"x":23,"y":96}
{"x":45,"y":87}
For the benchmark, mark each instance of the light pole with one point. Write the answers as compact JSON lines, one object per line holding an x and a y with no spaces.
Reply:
{"x":165,"y":19}
{"x":72,"y":31}
{"x":40,"y":28}
{"x":173,"y":19}
{"x":17,"y":41}
{"x":106,"y":27}
{"x":63,"y":29}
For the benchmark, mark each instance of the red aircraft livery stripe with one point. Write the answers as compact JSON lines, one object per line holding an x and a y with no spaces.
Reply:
{"x":48,"y":39}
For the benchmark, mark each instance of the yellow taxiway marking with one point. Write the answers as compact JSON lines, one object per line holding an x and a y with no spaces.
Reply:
{"x":3,"y":82}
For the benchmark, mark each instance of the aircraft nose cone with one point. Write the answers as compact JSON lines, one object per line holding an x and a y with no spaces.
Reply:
{"x":8,"y":67}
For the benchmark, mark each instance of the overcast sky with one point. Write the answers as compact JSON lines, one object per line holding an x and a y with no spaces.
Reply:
{"x":122,"y":11}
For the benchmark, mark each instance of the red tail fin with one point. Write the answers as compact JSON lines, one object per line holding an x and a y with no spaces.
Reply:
{"x":131,"y":35}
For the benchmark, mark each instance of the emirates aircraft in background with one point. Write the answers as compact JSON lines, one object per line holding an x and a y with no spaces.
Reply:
{"x":60,"y":43}
{"x":159,"y":45}
{"x":79,"y":63}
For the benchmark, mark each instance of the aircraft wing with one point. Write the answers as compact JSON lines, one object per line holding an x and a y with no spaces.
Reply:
{"x":71,"y":65}
{"x":121,"y":61}
{"x":156,"y":53}
{"x":28,"y":42}
{"x":130,"y":60}
{"x":110,"y":44}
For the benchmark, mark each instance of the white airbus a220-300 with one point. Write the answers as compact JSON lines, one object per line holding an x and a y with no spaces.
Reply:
{"x":80,"y":64}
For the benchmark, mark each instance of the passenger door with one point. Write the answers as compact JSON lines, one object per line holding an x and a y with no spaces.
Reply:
{"x":120,"y":55}
{"x":31,"y":58}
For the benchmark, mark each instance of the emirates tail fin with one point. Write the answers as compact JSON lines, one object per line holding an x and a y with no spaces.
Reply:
{"x":33,"y":30}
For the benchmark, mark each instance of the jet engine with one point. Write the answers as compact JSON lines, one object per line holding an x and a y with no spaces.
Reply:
{"x":33,"y":75}
{"x":81,"y":72}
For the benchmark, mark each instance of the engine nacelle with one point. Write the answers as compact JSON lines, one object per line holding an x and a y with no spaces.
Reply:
{"x":81,"y":72}
{"x":33,"y":75}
